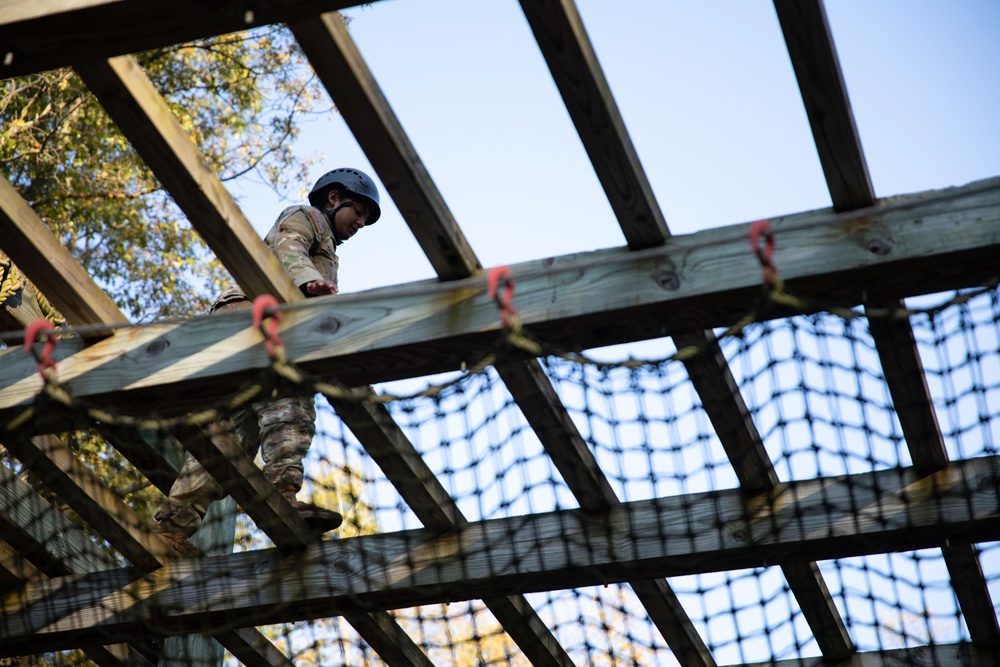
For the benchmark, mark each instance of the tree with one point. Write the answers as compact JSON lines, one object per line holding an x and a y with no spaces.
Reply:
{"x":242,"y":97}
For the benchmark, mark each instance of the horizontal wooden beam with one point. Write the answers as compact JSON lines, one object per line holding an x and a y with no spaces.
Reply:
{"x":909,"y":245}
{"x":838,"y":517}
{"x":37,"y":36}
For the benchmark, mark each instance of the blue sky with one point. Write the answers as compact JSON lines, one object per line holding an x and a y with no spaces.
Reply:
{"x":707,"y":94}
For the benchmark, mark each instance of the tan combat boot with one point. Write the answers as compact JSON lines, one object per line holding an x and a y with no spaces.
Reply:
{"x":318,"y":518}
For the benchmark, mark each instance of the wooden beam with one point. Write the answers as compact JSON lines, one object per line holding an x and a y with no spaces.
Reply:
{"x":50,"y":266}
{"x":839,"y":517}
{"x":343,"y":71}
{"x":557,"y":432}
{"x":37,"y":36}
{"x":52,"y":461}
{"x":81,"y":489}
{"x":573,"y":63}
{"x":145,"y":119}
{"x":579,"y":301}
{"x":45,"y":538}
{"x":905,"y":377}
{"x":817,"y":68}
{"x":236,"y":472}
{"x":723,"y":403}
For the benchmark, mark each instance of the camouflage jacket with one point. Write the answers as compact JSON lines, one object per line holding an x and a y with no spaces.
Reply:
{"x":302,"y":240}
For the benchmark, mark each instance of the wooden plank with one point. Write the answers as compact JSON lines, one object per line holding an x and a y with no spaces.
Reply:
{"x":49,"y":265}
{"x":360,"y":101}
{"x":573,"y":63}
{"x":145,"y":119}
{"x":817,"y":68}
{"x":885,"y":511}
{"x":38,"y":36}
{"x":904,"y":374}
{"x":577,"y":301}
{"x":555,"y":429}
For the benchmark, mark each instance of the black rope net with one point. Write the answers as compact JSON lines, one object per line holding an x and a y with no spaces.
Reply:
{"x":469,"y":507}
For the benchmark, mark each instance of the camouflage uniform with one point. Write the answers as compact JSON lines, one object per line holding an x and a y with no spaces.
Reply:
{"x":304,"y":244}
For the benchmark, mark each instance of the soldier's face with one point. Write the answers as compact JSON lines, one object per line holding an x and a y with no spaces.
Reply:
{"x":350,"y":219}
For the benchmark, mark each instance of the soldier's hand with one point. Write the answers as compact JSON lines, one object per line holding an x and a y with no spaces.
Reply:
{"x":319,"y":287}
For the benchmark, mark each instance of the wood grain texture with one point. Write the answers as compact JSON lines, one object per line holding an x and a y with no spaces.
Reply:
{"x":838,"y":517}
{"x":911,"y":400}
{"x":45,"y":35}
{"x":577,"y":301}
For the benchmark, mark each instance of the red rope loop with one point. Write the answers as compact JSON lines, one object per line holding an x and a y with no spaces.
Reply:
{"x":33,"y":331}
{"x":497,"y":276}
{"x":768,"y":269}
{"x":267,"y":306}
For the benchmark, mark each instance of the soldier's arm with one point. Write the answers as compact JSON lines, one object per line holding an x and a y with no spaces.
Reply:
{"x":293,"y":237}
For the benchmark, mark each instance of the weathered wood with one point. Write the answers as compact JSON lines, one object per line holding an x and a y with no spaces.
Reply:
{"x":817,"y":68}
{"x":360,"y":101}
{"x":145,"y":119}
{"x":577,"y":301}
{"x":880,"y":512}
{"x":49,"y":265}
{"x":43,"y":537}
{"x":80,"y":488}
{"x":904,"y":375}
{"x":37,"y":36}
{"x":573,"y":63}
{"x":52,"y":461}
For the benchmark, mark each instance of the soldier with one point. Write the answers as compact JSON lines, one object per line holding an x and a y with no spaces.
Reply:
{"x":304,"y":238}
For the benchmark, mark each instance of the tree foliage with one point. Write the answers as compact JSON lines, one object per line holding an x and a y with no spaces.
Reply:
{"x":242,"y":98}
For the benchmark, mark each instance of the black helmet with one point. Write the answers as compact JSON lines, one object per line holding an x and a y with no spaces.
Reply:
{"x":354,"y":181}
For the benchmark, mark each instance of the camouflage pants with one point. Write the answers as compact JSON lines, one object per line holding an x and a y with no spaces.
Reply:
{"x":282,"y":428}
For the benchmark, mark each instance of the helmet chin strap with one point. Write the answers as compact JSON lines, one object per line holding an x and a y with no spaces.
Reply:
{"x":331,"y":213}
